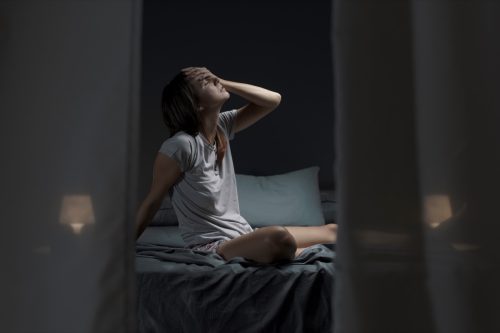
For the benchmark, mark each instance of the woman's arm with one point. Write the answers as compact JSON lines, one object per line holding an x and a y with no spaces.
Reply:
{"x":262,"y":101}
{"x":254,"y":94}
{"x":166,"y":171}
{"x":145,"y":215}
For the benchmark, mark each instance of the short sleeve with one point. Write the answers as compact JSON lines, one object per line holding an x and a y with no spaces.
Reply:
{"x":181,"y":149}
{"x":226,"y":120}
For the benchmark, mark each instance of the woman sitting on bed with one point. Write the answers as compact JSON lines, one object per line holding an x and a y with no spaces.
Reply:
{"x":195,"y":167}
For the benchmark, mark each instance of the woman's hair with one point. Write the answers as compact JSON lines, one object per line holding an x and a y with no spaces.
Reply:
{"x":180,"y":113}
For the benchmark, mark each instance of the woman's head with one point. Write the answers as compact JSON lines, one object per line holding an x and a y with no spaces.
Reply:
{"x":184,"y":100}
{"x":180,"y":106}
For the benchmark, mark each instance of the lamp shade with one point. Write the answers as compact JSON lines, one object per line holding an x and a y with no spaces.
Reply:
{"x":77,"y":211}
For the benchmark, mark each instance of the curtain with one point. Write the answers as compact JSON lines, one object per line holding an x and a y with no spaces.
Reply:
{"x":69,"y":131}
{"x":417,"y":165}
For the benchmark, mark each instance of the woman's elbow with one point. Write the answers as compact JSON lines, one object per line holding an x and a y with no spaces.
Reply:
{"x":275,"y":100}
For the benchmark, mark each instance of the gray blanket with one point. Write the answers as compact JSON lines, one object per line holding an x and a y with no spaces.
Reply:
{"x":181,"y":290}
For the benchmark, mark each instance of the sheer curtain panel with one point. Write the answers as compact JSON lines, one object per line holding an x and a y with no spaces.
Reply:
{"x":417,"y":109}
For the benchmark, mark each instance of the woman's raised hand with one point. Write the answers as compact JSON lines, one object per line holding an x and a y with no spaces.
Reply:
{"x":199,"y":73}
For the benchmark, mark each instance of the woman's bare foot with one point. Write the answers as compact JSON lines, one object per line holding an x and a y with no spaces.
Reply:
{"x":332,"y":230}
{"x":299,"y":251}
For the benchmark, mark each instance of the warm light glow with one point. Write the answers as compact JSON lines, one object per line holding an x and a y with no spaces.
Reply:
{"x":465,"y":246}
{"x":377,"y":238}
{"x":77,"y":211}
{"x":436,"y":209}
{"x":77,"y":227}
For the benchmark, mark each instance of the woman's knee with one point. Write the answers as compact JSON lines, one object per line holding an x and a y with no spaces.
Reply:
{"x":267,"y":245}
{"x":283,"y":242}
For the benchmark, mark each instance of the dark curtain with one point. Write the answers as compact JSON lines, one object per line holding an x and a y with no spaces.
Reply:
{"x":418,"y":165}
{"x":69,"y":130}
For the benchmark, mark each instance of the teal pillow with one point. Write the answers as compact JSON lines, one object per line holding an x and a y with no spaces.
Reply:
{"x":291,"y":198}
{"x":166,"y":235}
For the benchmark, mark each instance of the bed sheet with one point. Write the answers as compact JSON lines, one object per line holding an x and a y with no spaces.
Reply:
{"x":183,"y":290}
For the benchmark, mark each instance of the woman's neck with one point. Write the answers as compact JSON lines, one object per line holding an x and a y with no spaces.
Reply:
{"x":209,"y":127}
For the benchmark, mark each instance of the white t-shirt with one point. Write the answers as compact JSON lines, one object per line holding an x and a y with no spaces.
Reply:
{"x":204,"y":198}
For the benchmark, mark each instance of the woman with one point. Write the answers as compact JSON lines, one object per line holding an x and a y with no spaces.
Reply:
{"x":194,"y":165}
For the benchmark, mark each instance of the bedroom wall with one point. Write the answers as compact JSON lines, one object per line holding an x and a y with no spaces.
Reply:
{"x":281,"y":46}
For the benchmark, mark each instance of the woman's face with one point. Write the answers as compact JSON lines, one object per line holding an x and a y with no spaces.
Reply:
{"x":209,"y":91}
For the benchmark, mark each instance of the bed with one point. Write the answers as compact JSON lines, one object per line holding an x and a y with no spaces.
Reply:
{"x":184,"y":290}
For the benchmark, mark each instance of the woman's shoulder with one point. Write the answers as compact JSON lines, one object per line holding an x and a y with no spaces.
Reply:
{"x":182,"y":147}
{"x":226,"y":121}
{"x":181,"y":139}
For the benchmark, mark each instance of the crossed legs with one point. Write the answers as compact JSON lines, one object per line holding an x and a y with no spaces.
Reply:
{"x":269,"y":244}
{"x":308,"y":236}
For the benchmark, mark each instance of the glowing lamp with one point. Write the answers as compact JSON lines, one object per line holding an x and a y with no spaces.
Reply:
{"x":76,"y":211}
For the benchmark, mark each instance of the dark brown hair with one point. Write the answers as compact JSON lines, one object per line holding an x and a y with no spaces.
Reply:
{"x":180,"y":113}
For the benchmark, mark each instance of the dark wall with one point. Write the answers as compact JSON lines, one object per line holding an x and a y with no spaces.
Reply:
{"x":284,"y":47}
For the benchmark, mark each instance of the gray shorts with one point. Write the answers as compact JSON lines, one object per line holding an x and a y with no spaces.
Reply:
{"x":209,"y":247}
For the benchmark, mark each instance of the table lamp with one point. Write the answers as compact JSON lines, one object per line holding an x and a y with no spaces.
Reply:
{"x":77,"y":211}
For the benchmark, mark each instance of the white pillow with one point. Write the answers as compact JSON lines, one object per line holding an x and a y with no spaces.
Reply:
{"x":290,"y":199}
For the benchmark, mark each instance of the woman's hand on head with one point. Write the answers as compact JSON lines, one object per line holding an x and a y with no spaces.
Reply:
{"x":200,"y":73}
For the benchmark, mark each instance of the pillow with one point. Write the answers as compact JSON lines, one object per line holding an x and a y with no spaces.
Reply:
{"x":167,"y":236}
{"x":165,"y":216}
{"x":329,"y":211}
{"x":329,"y":205}
{"x":328,"y":195}
{"x":291,"y":198}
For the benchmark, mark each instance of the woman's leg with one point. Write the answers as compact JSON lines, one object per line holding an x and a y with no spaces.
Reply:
{"x":307,"y":236}
{"x":265,"y":245}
